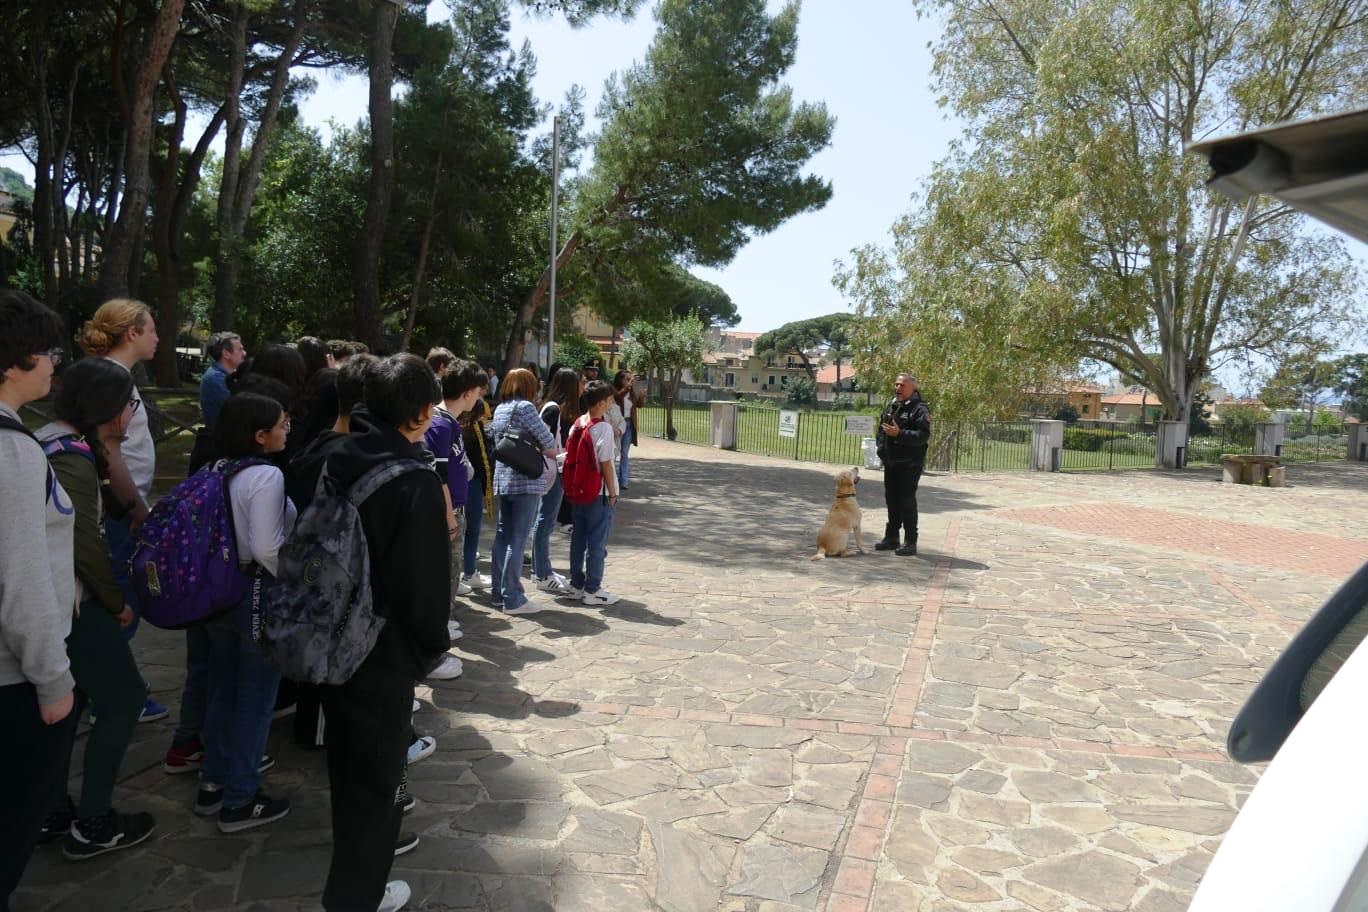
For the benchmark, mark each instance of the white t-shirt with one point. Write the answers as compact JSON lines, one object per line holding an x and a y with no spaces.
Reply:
{"x":627,"y":407}
{"x":138,"y":449}
{"x":605,"y":447}
{"x":262,"y":515}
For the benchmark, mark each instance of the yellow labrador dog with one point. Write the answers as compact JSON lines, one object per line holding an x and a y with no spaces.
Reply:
{"x":842,"y":519}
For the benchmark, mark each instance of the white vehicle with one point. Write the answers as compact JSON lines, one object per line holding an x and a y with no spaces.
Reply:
{"x":1300,"y":844}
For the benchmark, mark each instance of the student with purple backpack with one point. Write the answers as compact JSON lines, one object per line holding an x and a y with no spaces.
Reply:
{"x":242,"y":684}
{"x":94,"y":407}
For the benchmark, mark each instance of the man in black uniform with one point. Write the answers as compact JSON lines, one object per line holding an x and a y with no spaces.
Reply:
{"x":904,"y":432}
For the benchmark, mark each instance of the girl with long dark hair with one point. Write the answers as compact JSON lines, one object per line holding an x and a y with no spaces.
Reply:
{"x":559,"y":411}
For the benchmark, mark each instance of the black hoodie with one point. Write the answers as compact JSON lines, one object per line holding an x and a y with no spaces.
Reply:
{"x":406,"y":534}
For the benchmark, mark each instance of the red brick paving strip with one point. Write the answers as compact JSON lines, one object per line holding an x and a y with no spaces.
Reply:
{"x":1245,"y":543}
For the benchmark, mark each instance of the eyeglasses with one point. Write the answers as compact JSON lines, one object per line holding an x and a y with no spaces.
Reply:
{"x":135,"y":402}
{"x":56,"y":356}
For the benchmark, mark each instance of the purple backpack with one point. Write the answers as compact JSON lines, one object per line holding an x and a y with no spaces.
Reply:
{"x":185,"y":567}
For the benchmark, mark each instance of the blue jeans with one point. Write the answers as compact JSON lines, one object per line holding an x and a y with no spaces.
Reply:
{"x":474,"y":512}
{"x":624,"y":478}
{"x":195,"y":695}
{"x":589,"y":544}
{"x":516,"y":513}
{"x":541,"y":530}
{"x":242,"y":692}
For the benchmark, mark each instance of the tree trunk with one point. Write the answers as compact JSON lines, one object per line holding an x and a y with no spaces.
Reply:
{"x":238,"y":187}
{"x":367,"y":276}
{"x":424,"y":246}
{"x":541,"y":292}
{"x":671,"y":391}
{"x":168,"y":286}
{"x":122,"y":244}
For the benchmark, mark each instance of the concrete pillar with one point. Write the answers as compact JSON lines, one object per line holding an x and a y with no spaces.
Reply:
{"x":1268,"y":438}
{"x":723,"y":415}
{"x":1047,"y":444}
{"x":1358,"y":442}
{"x":1171,"y":448}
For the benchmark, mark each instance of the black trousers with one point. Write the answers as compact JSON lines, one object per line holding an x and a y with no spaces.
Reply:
{"x":369,"y":720}
{"x":900,"y":496}
{"x":31,"y":769}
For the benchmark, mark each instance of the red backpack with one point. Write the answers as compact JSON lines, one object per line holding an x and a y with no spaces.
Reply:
{"x":581,"y":477}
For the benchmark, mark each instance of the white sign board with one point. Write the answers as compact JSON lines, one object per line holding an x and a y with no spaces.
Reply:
{"x":860,"y":425}
{"x":788,"y":424}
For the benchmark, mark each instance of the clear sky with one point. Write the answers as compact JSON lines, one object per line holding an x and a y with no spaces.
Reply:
{"x":869,"y":63}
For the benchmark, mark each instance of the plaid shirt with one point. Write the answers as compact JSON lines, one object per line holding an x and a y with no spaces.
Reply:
{"x":522,"y":415}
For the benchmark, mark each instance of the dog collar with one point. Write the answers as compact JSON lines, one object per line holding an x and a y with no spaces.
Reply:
{"x":851,"y":494}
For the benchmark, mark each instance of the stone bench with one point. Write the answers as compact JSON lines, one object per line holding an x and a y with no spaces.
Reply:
{"x":1243,"y":469}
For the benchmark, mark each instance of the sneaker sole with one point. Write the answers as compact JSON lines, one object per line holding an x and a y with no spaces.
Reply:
{"x":251,"y":823}
{"x":404,"y":850}
{"x":207,"y":810}
{"x":187,"y":767}
{"x":98,"y":850}
{"x":154,"y":717}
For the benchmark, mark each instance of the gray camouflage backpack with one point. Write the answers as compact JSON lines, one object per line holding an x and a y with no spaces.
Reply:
{"x":318,"y":623}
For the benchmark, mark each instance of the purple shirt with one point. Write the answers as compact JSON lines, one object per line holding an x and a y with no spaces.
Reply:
{"x":447,"y":443}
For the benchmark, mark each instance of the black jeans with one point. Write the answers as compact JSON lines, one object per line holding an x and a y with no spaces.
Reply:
{"x":31,"y":769}
{"x":369,"y":722}
{"x":900,"y":495}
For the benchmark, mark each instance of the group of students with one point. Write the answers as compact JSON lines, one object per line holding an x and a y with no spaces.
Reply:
{"x":278,"y":426}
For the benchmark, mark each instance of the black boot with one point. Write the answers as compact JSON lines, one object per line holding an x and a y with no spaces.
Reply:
{"x":890,"y":539}
{"x":908,"y":549}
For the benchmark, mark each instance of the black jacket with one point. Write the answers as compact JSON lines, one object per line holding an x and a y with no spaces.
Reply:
{"x":914,"y":422}
{"x":406,"y":534}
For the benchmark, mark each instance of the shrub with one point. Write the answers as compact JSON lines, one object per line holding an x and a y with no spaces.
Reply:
{"x":1005,"y":433}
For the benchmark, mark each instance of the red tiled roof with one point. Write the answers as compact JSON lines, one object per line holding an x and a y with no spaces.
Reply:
{"x":1133,"y":399}
{"x":828,"y":373}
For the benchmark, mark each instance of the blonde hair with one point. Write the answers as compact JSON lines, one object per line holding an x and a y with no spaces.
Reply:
{"x":519,"y":383}
{"x":108,"y":329}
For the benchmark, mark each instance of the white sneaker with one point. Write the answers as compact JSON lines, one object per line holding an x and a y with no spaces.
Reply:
{"x":417,"y":704}
{"x":602,"y":597}
{"x":397,"y":895}
{"x":422,"y":747}
{"x":565,"y":528}
{"x":527,"y":607}
{"x":454,"y":631}
{"x":462,"y":588}
{"x":476,"y":581}
{"x":450,"y":669}
{"x":553,"y":583}
{"x":572,"y":593}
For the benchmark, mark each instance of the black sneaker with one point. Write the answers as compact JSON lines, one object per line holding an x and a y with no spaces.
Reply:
{"x":57,"y":823}
{"x":407,"y":843}
{"x":208,"y":800}
{"x":888,"y":544}
{"x":267,"y":761}
{"x":98,"y":835}
{"x":261,"y":810}
{"x":907,"y":550}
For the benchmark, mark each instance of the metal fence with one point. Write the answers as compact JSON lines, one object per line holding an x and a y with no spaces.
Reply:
{"x":983,"y":446}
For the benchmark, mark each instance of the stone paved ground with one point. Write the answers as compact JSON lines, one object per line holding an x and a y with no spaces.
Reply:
{"x":1028,"y":716}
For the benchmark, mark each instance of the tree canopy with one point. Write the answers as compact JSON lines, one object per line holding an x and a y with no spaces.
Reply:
{"x":1069,"y":224}
{"x":829,"y":333}
{"x":702,"y":147}
{"x":666,"y":348}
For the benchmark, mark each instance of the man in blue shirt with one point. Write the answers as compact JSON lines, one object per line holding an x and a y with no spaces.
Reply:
{"x":227,"y":353}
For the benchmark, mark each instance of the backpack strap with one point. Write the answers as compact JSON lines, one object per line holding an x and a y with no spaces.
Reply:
{"x":68,"y":443}
{"x":10,"y":424}
{"x":380,"y":476}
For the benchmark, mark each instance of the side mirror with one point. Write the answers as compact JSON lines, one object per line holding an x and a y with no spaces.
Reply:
{"x":1299,"y":675}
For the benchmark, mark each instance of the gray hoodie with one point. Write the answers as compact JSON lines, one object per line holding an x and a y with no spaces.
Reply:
{"x":37,"y":577}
